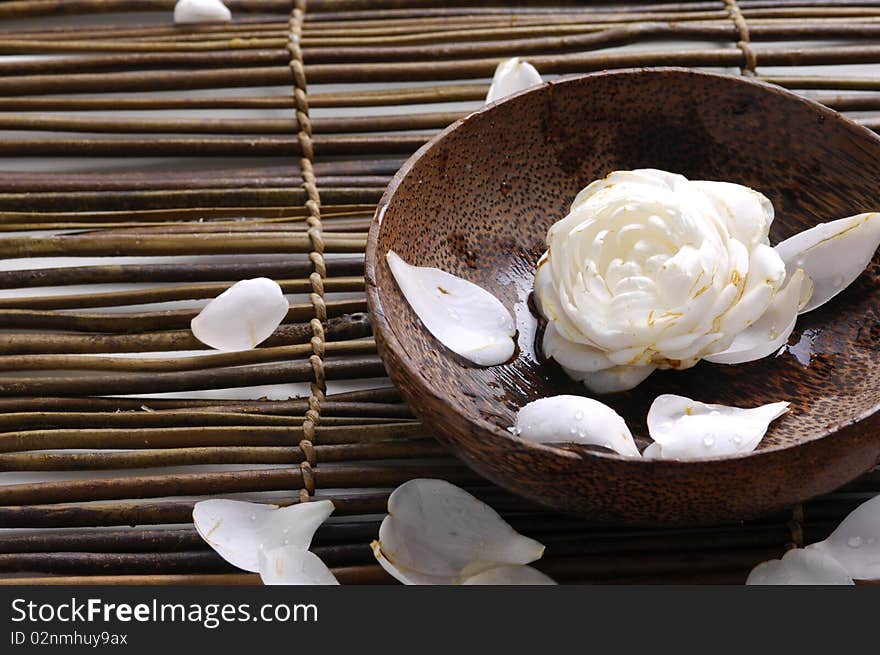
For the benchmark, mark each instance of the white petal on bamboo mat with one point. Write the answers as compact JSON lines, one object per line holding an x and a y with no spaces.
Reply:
{"x":688,"y":429}
{"x":462,"y":316}
{"x":510,"y":574}
{"x":856,"y":541}
{"x":512,"y":76}
{"x":243,"y":316}
{"x":238,"y":531}
{"x":800,"y":567}
{"x":436,"y":533}
{"x":201,"y":11}
{"x":770,"y":332}
{"x":574,"y":419}
{"x":832,"y":254}
{"x":291,"y":565}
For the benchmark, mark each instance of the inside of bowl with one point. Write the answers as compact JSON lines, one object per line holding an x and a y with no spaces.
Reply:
{"x":478,"y":204}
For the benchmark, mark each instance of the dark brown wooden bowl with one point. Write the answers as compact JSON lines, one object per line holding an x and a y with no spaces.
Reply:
{"x":477,"y":202}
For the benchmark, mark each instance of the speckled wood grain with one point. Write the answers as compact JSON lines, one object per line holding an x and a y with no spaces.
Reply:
{"x":477,"y":202}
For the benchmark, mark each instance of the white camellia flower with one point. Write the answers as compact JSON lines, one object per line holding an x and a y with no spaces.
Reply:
{"x":512,"y":76}
{"x":650,"y":270}
{"x":201,"y":11}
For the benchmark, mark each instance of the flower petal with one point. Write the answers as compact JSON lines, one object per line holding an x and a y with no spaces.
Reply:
{"x":653,"y":451}
{"x":574,"y":419}
{"x":800,"y":567}
{"x":832,"y":254}
{"x":570,"y":354}
{"x":512,"y":76}
{"x":291,"y":565}
{"x":856,"y":541}
{"x":462,"y":316}
{"x":201,"y":11}
{"x":241,"y":317}
{"x":770,"y":332}
{"x":612,"y":380}
{"x":238,"y":531}
{"x":687,"y":429}
{"x":436,"y":533}
{"x":510,"y":574}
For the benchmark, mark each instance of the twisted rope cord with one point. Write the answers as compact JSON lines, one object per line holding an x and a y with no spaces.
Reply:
{"x":318,"y":386}
{"x":750,"y":59}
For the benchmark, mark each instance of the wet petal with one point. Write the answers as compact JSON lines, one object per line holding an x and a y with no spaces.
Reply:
{"x":856,"y":541}
{"x":201,"y":11}
{"x":243,"y":316}
{"x":291,"y":565}
{"x":510,"y":575}
{"x":462,"y":316}
{"x":436,"y":533}
{"x":770,"y":332}
{"x":800,"y":567}
{"x":238,"y":531}
{"x":574,"y":419}
{"x":832,"y":254}
{"x":612,"y":380}
{"x":653,"y":451}
{"x":512,"y":76}
{"x":687,"y":429}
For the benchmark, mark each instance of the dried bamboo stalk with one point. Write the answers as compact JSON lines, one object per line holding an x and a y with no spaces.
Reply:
{"x":353,"y":326}
{"x":195,"y":456}
{"x":165,"y":294}
{"x":217,"y":378}
{"x":174,"y":272}
{"x":208,"y":437}
{"x":185,"y":484}
{"x":198,"y":362}
{"x":142,"y":322}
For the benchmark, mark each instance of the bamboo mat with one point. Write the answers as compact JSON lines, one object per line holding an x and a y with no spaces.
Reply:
{"x":145,"y":167}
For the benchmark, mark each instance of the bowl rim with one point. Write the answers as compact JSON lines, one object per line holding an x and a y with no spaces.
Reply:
{"x":381,"y":325}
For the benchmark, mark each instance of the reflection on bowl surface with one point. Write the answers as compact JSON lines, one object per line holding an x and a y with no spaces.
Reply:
{"x":477,"y":202}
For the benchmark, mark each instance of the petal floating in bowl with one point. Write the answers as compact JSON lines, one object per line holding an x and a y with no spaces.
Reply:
{"x":574,"y":419}
{"x":688,"y":429}
{"x":832,"y":254}
{"x":462,"y":316}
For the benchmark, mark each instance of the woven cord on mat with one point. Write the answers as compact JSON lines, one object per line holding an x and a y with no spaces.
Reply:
{"x":318,"y":387}
{"x":279,"y":179}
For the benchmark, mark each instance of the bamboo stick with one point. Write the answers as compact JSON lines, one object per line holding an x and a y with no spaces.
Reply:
{"x":165,"y":294}
{"x":208,"y":437}
{"x":195,"y":456}
{"x":148,"y":321}
{"x":174,"y":272}
{"x":28,"y":409}
{"x":217,"y":378}
{"x":183,"y":484}
{"x":28,"y":343}
{"x":393,"y":144}
{"x":86,"y":245}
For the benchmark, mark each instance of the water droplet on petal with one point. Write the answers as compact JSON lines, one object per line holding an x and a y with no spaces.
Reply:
{"x":714,"y":412}
{"x":854,"y":542}
{"x":709,"y":440}
{"x":578,"y":416}
{"x":572,"y":431}
{"x":253,"y":517}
